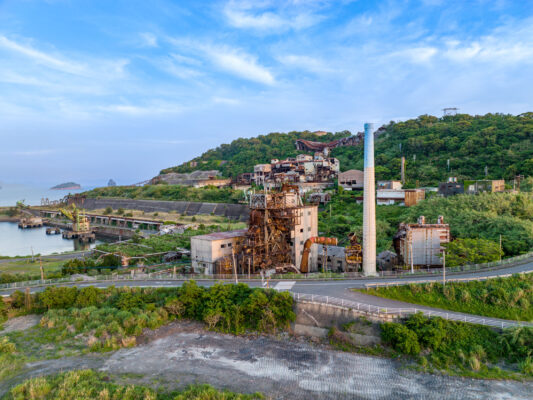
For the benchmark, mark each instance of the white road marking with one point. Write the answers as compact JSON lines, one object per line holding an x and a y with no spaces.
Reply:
{"x":285,"y":285}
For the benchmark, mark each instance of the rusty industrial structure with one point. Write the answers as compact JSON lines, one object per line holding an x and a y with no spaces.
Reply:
{"x":80,"y":228}
{"x":420,"y":244}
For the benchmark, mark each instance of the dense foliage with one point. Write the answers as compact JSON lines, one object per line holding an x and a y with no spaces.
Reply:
{"x":485,"y":216}
{"x":113,"y":318}
{"x":502,"y":143}
{"x":461,"y":348}
{"x":169,"y":192}
{"x":471,"y":251}
{"x":507,"y":298}
{"x":242,"y":154}
{"x":89,"y":385}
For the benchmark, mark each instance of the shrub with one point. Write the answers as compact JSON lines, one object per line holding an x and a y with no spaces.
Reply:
{"x":58,"y":297}
{"x":108,"y":210}
{"x":401,"y":338}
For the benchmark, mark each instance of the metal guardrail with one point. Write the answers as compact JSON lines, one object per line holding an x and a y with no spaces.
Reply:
{"x":402,"y":312}
{"x":420,"y":281}
{"x":310,"y":276}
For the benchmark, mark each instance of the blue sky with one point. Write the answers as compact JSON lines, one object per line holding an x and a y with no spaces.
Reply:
{"x":92,"y":90}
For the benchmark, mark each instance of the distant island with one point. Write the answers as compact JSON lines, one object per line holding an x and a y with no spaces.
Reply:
{"x":67,"y":186}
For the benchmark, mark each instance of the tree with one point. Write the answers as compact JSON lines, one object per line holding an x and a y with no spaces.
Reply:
{"x":471,"y":251}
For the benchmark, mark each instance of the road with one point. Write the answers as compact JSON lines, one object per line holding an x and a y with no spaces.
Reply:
{"x":339,"y":289}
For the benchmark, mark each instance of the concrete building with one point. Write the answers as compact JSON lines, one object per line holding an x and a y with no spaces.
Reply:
{"x":420,"y":244}
{"x":213,"y":182}
{"x":334,"y":258}
{"x":352,"y":179}
{"x":484,"y":186}
{"x":451,"y":187}
{"x":402,"y":197}
{"x":187,"y":179}
{"x":393,"y":185}
{"x":206,"y":250}
{"x":303,"y":168}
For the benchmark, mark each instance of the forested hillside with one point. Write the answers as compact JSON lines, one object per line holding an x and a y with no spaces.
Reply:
{"x":242,"y":154}
{"x":502,"y":143}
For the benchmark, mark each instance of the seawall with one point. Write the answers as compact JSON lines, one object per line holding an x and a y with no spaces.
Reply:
{"x":238,"y":212}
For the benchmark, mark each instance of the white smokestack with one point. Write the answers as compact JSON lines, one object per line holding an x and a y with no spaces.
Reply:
{"x":369,"y":205}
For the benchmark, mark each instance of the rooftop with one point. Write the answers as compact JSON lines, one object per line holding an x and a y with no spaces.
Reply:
{"x":222,"y":235}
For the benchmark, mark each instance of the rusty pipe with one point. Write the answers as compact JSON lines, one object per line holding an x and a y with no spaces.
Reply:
{"x":304,"y":264}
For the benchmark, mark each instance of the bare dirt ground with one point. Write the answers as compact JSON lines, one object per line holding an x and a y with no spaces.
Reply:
{"x":20,"y":323}
{"x":183,"y":353}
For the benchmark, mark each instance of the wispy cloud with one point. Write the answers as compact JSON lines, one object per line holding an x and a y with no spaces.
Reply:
{"x":42,"y":57}
{"x":255,"y":15}
{"x":148,"y":39}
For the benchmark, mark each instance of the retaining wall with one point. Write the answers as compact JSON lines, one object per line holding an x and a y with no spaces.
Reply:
{"x":234,"y":211}
{"x":315,"y":320}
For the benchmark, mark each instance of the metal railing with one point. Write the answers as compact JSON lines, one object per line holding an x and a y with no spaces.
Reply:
{"x":420,"y":281}
{"x":403,"y":312}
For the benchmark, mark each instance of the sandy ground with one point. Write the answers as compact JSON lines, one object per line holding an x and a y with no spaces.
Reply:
{"x":20,"y":323}
{"x":181,"y":353}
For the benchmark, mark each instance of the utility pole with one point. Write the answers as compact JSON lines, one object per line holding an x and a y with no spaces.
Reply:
{"x":412,"y":266}
{"x":444,"y":268}
{"x":500,"y":247}
{"x":234,"y":265}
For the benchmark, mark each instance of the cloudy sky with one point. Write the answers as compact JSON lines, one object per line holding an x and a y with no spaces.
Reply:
{"x":92,"y":90}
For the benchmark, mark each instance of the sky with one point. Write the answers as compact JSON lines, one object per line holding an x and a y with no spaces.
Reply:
{"x":93,"y":90}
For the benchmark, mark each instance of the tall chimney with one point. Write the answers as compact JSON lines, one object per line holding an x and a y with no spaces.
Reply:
{"x":369,"y":205}
{"x":403,"y":170}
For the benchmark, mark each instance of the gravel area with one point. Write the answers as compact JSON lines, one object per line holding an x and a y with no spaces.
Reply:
{"x":181,"y":353}
{"x":20,"y":323}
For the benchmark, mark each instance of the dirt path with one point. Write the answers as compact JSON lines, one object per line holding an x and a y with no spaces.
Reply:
{"x":180,"y":354}
{"x":20,"y":323}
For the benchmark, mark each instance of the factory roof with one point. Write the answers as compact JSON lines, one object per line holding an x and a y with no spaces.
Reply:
{"x":222,"y":235}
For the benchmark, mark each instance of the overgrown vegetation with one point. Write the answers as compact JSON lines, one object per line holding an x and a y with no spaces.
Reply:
{"x":169,"y":192}
{"x":503,"y":143}
{"x":471,"y":251}
{"x":242,"y":154}
{"x":507,"y":298}
{"x":460,"y":348}
{"x":485,"y":216}
{"x":89,"y":385}
{"x":111,"y":318}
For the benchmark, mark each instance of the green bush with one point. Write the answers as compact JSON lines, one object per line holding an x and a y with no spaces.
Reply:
{"x":401,"y":338}
{"x":506,"y":298}
{"x":88,"y":384}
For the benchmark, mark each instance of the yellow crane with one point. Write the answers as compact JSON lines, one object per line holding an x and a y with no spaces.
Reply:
{"x":80,"y":223}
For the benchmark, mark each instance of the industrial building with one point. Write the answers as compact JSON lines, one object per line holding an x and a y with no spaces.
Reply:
{"x":393,"y":185}
{"x":451,"y":187}
{"x":484,"y":186}
{"x":352,"y":179}
{"x":279,"y":226}
{"x":420,"y":244}
{"x":402,"y":197}
{"x":300,"y":169}
{"x":207,"y":249}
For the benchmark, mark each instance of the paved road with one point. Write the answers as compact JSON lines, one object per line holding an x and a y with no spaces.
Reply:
{"x":335,"y":288}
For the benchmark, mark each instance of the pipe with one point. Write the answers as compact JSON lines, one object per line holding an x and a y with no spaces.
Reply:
{"x":304,"y":264}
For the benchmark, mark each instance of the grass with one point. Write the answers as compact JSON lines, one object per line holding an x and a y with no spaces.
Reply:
{"x":462,"y":349}
{"x":88,"y":384}
{"x":28,"y":267}
{"x":507,"y":298}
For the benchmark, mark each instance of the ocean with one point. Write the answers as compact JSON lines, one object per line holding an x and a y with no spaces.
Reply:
{"x":32,"y":195}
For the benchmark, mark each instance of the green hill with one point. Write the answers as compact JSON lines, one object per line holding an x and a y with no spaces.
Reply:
{"x":242,"y":154}
{"x":502,"y":143}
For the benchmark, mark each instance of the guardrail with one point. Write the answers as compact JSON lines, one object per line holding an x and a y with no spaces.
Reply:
{"x":420,"y":281}
{"x":402,"y":312}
